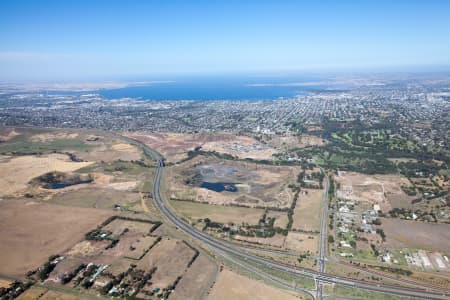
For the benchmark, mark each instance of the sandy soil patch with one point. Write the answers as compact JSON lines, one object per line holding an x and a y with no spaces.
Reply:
{"x":384,"y":190}
{"x":7,"y":134}
{"x":45,"y":137}
{"x":231,"y":285}
{"x":18,"y":171}
{"x":307,"y":212}
{"x":301,"y":242}
{"x":5,"y":283}
{"x":124,"y":147}
{"x":123,"y":186}
{"x":420,"y":235}
{"x":32,"y":232}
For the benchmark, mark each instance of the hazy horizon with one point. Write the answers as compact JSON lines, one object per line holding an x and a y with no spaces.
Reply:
{"x":106,"y":40}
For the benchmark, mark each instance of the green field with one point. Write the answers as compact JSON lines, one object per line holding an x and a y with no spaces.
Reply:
{"x":27,"y":147}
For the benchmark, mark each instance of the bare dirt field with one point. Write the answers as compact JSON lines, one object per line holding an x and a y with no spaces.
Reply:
{"x":22,"y":169}
{"x":230,"y":285}
{"x":384,"y":190}
{"x":255,"y":185}
{"x":31,"y":232}
{"x":174,"y":146}
{"x":171,"y":257}
{"x":301,"y":242}
{"x":421,"y":235}
{"x":197,"y":280}
{"x":288,"y":142}
{"x":307,"y":211}
{"x":218,"y":213}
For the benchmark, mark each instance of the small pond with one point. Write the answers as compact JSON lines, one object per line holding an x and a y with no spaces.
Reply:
{"x":219,"y":186}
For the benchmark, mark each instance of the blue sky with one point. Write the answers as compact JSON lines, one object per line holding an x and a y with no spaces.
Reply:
{"x":49,"y":40}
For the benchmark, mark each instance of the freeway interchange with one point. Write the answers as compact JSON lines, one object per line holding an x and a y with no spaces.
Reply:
{"x":236,"y":254}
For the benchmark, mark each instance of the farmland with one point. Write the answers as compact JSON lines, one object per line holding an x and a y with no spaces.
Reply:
{"x":33,"y":231}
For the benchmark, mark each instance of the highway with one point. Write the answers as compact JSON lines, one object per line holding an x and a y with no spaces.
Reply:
{"x":246,"y":260}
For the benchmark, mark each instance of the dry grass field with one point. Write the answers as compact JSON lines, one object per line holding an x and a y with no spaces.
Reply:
{"x":31,"y":232}
{"x":301,"y":242}
{"x":118,"y":226}
{"x":218,"y":213}
{"x":24,"y":168}
{"x":412,"y":234}
{"x":307,"y":211}
{"x":109,"y":151}
{"x":230,"y":285}
{"x":197,"y":280}
{"x":171,"y":257}
{"x":94,"y":197}
{"x":54,"y":295}
{"x":276,"y":241}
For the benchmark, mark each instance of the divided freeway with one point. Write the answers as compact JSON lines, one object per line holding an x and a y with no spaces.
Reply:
{"x":236,"y":255}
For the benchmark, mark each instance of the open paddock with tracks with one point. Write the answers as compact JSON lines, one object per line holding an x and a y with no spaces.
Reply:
{"x":172,"y":259}
{"x":197,"y":280}
{"x":302,"y":242}
{"x":307,"y":210}
{"x":31,"y":232}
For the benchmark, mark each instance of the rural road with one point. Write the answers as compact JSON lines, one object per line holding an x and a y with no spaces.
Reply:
{"x":244,"y":259}
{"x":323,"y":237}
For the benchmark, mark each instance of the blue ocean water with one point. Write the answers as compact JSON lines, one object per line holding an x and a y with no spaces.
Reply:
{"x":214,"y":89}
